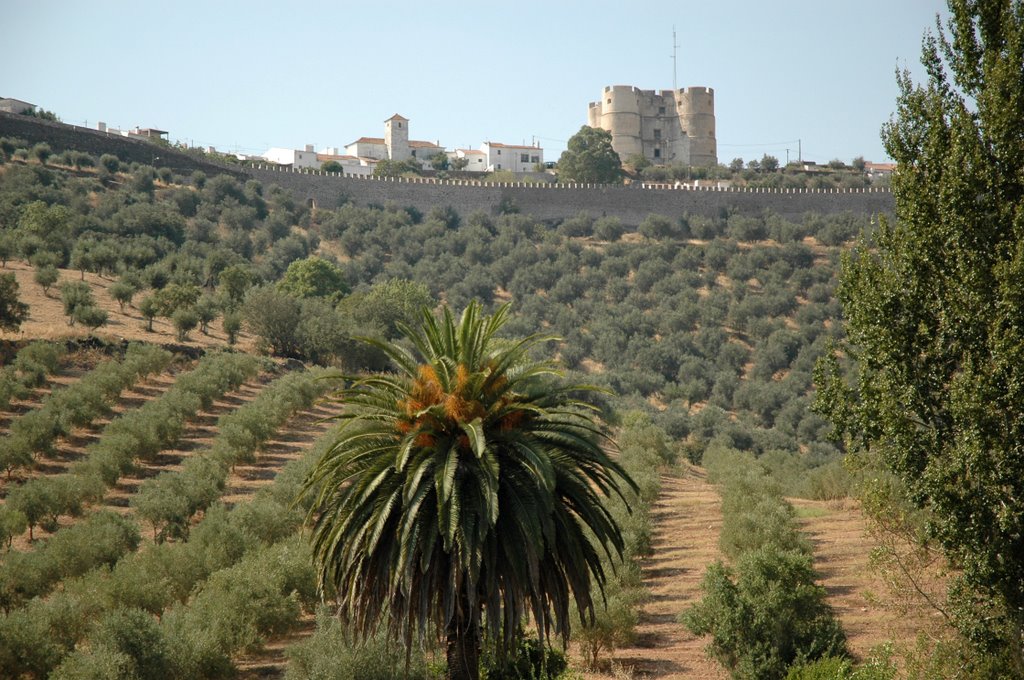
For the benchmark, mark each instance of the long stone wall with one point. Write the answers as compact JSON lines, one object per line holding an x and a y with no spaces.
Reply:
{"x":554,"y":202}
{"x":543,"y":201}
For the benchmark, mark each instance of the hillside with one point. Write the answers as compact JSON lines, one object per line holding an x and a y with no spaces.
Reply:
{"x":707,"y":326}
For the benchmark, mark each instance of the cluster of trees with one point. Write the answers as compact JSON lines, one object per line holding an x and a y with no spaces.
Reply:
{"x":931,"y":404}
{"x":169,"y":501}
{"x":308,"y":315}
{"x":178,"y":609}
{"x":764,"y":613}
{"x":731,"y":312}
{"x":77,"y":405}
{"x":150,"y":229}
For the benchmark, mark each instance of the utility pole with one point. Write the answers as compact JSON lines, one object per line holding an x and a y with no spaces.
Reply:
{"x":799,"y":151}
{"x":674,"y":46}
{"x":787,"y":156}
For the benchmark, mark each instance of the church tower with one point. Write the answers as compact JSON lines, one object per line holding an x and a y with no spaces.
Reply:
{"x":396,"y":137}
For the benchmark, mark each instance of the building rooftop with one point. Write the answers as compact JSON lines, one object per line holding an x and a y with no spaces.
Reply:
{"x":499,"y":145}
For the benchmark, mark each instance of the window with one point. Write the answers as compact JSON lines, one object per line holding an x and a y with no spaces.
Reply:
{"x":609,"y":100}
{"x":524,"y":158}
{"x":535,"y":159}
{"x":499,"y":166}
{"x":657,"y":153}
{"x":661,"y":110}
{"x":657,"y":134}
{"x":414,"y":153}
{"x":499,"y":152}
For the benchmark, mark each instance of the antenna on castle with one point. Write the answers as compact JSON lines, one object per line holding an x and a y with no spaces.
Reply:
{"x":674,"y":46}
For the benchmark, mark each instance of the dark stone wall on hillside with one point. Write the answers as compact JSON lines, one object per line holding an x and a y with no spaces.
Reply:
{"x":554,"y":203}
{"x":62,"y":137}
{"x":547,"y":202}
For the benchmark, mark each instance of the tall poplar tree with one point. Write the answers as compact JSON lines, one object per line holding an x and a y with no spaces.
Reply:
{"x":934,"y":311}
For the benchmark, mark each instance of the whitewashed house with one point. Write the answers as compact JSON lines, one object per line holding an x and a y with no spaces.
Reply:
{"x":513,"y":157}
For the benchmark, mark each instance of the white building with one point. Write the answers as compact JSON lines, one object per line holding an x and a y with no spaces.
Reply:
{"x":476,"y":161}
{"x":512,"y":157}
{"x":307,"y":158}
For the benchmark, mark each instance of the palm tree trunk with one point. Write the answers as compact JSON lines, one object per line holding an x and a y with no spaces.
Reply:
{"x":463,"y":645}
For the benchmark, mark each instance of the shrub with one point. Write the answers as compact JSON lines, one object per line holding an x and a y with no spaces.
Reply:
{"x":766,"y":615}
{"x":332,"y":654}
{"x":90,"y":316}
{"x":185,"y":319}
{"x":608,"y":229}
{"x":46,"y":277}
{"x":73,"y":295}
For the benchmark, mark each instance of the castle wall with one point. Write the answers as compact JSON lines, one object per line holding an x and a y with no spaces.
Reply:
{"x":552,"y":202}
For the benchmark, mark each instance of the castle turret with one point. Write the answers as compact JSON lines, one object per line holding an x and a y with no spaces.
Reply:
{"x":697,"y":117}
{"x":621,"y":117}
{"x":396,"y":137}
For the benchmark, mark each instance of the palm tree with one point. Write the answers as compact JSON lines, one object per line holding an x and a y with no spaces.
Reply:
{"x":464,"y":493}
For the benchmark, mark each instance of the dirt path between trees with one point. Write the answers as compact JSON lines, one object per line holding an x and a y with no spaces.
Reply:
{"x":687,"y":518}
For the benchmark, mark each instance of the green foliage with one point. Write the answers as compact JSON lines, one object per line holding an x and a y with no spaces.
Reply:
{"x":451,"y":454}
{"x":232,"y":324}
{"x":390,"y":168}
{"x":932,"y":304}
{"x":123,"y":292}
{"x":273,"y":316}
{"x":150,"y":309}
{"x":46,"y":277}
{"x":529,"y":659}
{"x":589,"y":157}
{"x":314,"y":277}
{"x":100,"y":539}
{"x":13,"y":312}
{"x":388,"y":304}
{"x":332,"y":653}
{"x":75,"y":295}
{"x":90,"y":316}
{"x":878,"y":666}
{"x":766,"y":615}
{"x":185,"y":319}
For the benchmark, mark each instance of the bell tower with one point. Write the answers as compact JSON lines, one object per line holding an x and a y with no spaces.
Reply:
{"x":396,"y":137}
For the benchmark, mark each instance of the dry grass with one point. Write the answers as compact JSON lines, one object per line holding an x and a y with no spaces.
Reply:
{"x":47,"y":320}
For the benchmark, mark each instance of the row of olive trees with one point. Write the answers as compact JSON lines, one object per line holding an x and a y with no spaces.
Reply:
{"x":77,"y":405}
{"x":169,"y":501}
{"x":136,"y":435}
{"x":101,"y":539}
{"x":176,"y":609}
{"x":763,"y":611}
{"x":30,"y":368}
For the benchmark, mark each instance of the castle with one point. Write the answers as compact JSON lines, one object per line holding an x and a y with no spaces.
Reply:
{"x":667,"y":127}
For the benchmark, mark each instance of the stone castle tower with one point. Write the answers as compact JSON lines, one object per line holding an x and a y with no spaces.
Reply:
{"x":666,"y":127}
{"x":396,"y":137}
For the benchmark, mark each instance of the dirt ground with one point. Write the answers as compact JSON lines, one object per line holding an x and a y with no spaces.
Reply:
{"x":47,"y":320}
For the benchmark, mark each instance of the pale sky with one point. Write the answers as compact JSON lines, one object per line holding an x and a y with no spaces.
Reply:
{"x":249,"y":75}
